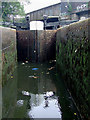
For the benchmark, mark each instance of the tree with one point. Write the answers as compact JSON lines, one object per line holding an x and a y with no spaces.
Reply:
{"x":0,"y":8}
{"x":26,"y":2}
{"x":11,"y":9}
{"x":69,"y":7}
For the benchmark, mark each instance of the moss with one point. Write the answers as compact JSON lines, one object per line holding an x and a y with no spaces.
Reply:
{"x":72,"y":62}
{"x":9,"y":60}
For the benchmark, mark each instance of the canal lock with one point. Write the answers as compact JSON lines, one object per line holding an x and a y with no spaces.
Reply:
{"x":37,"y":83}
{"x":37,"y":47}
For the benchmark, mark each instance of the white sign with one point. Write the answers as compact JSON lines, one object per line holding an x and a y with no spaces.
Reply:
{"x":36,"y":25}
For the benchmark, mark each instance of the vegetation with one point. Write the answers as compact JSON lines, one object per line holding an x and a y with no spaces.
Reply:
{"x":69,"y":7}
{"x":11,"y":9}
{"x":72,"y":63}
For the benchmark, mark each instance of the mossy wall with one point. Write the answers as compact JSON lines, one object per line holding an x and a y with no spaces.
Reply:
{"x":73,"y":53}
{"x":0,"y":75}
{"x":8,"y":53}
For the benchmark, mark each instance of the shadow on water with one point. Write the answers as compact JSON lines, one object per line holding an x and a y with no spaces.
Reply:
{"x":39,"y":93}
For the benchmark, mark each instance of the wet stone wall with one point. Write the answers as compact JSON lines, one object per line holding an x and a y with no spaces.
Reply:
{"x":8,"y":63}
{"x":73,"y":55}
{"x":0,"y":76}
{"x":8,"y":53}
{"x":36,"y":46}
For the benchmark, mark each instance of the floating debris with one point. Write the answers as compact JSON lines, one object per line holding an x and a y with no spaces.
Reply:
{"x":34,"y":51}
{"x":47,"y":73}
{"x":11,"y":76}
{"x":23,"y":63}
{"x":34,"y":68}
{"x":51,"y":68}
{"x":52,"y":61}
{"x":32,"y":76}
{"x":20,"y":103}
{"x":35,"y":77}
{"x":26,"y":61}
{"x":25,"y":93}
{"x":75,"y":50}
{"x":75,"y":113}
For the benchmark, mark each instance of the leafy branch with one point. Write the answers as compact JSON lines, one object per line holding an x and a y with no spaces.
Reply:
{"x":69,"y":7}
{"x":11,"y":8}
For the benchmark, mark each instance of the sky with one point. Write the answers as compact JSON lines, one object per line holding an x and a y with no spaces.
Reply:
{"x":37,"y":4}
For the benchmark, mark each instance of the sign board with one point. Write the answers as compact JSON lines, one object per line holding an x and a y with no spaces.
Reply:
{"x":36,"y":25}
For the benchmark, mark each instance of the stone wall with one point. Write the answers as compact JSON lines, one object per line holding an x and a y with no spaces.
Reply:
{"x":0,"y":75}
{"x":8,"y":62}
{"x":8,"y":53}
{"x":36,"y":46}
{"x":73,"y":53}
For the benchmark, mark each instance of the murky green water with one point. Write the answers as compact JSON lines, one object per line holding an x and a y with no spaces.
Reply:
{"x":29,"y":94}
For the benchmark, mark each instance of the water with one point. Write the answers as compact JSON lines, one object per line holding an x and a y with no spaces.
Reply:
{"x":37,"y":91}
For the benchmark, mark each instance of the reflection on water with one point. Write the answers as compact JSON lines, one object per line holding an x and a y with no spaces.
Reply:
{"x":20,"y":103}
{"x":9,"y":97}
{"x":41,"y":108}
{"x":41,"y":94}
{"x":36,"y":88}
